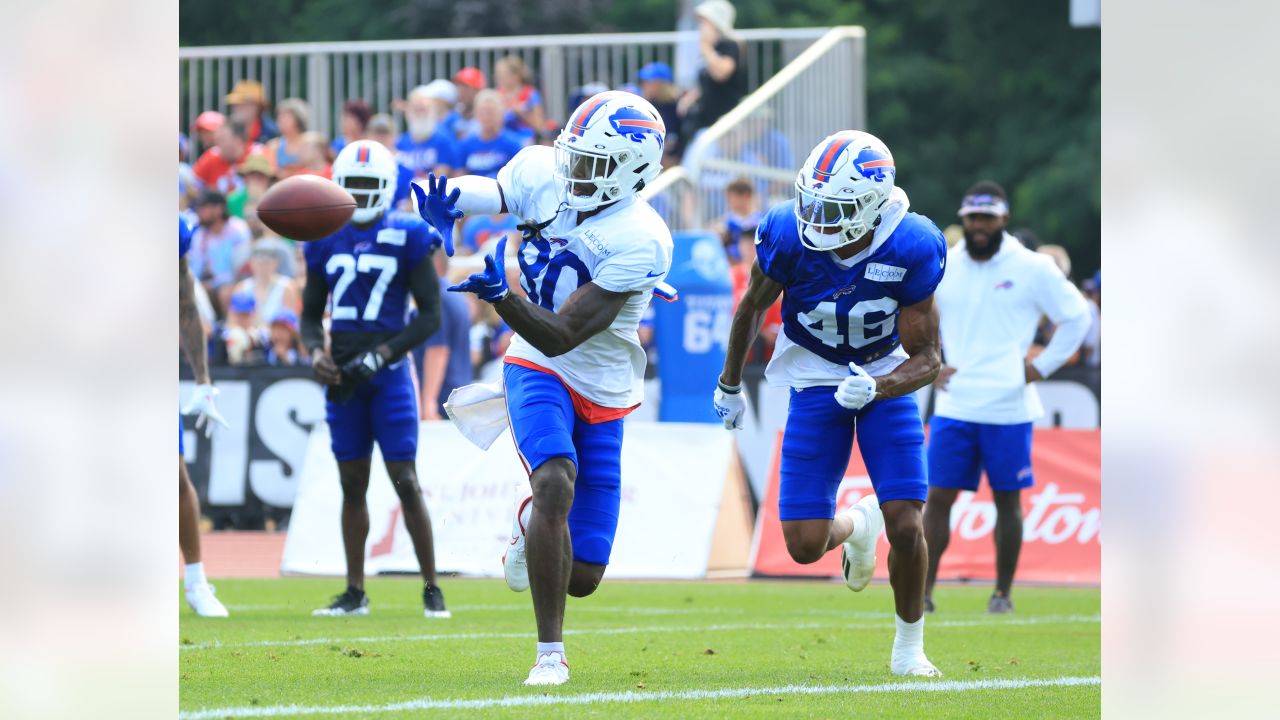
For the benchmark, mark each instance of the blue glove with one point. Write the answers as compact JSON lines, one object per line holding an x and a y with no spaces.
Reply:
{"x":490,"y":285}
{"x":437,"y":208}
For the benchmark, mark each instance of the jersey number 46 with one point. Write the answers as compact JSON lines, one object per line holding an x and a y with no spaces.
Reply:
{"x":863,"y":324}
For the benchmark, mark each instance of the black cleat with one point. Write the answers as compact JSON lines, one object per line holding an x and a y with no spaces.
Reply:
{"x":433,"y":603}
{"x":928,"y":604}
{"x":351,"y":602}
{"x":1000,"y":605}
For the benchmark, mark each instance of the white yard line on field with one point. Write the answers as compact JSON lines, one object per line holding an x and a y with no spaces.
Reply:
{"x":510,"y":608}
{"x":917,"y":686}
{"x":993,"y":622}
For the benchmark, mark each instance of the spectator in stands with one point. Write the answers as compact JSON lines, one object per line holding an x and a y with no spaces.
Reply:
{"x":257,"y":174}
{"x":1044,"y":331}
{"x":216,"y":168}
{"x":382,"y":129}
{"x":741,"y":219}
{"x":355,"y":124}
{"x":657,"y":85}
{"x":249,"y":106}
{"x":739,"y":275}
{"x":271,"y":291}
{"x":188,"y":185}
{"x":445,"y":358}
{"x":240,"y":336}
{"x":469,"y":81}
{"x":492,"y":146}
{"x":293,"y":116}
{"x":206,"y":124}
{"x":427,"y":147}
{"x":1092,"y":347}
{"x":219,"y":246}
{"x":1029,"y":239}
{"x":722,"y":82}
{"x":313,"y":156}
{"x":525,"y":115}
{"x":284,"y":345}
{"x":299,"y":275}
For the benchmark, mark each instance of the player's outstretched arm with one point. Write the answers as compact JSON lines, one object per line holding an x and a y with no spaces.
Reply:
{"x":190,"y":330}
{"x":918,"y":330}
{"x":589,"y":310}
{"x":762,"y":292}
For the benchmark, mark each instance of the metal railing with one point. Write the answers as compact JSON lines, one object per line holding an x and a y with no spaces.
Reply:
{"x":766,"y":137}
{"x":327,"y":74}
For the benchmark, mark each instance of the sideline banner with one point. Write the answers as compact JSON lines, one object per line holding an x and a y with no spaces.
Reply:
{"x":1062,"y":528}
{"x":673,"y":479}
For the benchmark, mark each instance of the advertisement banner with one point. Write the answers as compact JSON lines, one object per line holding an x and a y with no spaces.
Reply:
{"x":673,"y":479}
{"x":1062,"y":519}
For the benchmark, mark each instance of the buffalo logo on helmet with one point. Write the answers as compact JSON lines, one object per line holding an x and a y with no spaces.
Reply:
{"x":874,"y":165}
{"x":636,"y":125}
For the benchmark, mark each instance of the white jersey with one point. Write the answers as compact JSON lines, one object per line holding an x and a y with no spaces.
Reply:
{"x":624,"y":248}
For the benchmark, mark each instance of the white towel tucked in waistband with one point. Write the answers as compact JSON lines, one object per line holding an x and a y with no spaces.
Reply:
{"x":479,"y":411}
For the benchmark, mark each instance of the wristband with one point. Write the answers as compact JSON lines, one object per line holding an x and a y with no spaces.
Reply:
{"x":729,"y":389}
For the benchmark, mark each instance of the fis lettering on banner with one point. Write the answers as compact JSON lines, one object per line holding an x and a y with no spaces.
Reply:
{"x":885,"y":273}
{"x":391,"y":236}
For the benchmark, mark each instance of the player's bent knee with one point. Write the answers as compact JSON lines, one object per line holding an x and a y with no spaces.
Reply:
{"x":585,"y":579}
{"x":552,"y":486}
{"x":904,"y":529}
{"x":806,"y":552}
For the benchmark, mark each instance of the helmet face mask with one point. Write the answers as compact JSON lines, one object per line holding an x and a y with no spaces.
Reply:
{"x":842,"y":188}
{"x":367,"y":170}
{"x":609,"y":150}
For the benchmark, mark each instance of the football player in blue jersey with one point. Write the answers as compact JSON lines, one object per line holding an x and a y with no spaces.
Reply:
{"x":191,"y":337}
{"x":857,"y":274}
{"x":367,"y":271}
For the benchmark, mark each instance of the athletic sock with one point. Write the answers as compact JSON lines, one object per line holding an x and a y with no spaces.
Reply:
{"x":909,"y":638}
{"x":556,"y":647}
{"x":193,"y":575}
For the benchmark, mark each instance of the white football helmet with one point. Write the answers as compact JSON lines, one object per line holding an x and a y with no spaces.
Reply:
{"x":609,"y":150}
{"x":367,"y":170}
{"x":844,"y":184}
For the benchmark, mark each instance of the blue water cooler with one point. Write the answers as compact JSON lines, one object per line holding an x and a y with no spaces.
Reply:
{"x":692,"y":334}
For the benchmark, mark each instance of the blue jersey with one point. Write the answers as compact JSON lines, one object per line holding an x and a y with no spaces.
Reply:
{"x":849,"y":314}
{"x":367,"y":271}
{"x":486,"y":157}
{"x":423,"y":156}
{"x":184,"y":237}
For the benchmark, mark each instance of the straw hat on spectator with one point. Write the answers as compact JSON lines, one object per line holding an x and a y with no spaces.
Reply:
{"x":256,"y":163}
{"x":246,"y":91}
{"x":720,"y":13}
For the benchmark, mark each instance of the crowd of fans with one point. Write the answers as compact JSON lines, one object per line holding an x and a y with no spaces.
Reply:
{"x":251,"y":280}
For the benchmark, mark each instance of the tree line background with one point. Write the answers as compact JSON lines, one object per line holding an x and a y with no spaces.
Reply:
{"x":960,"y":90}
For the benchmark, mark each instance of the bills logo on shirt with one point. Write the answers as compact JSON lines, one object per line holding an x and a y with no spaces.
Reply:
{"x":885,"y":273}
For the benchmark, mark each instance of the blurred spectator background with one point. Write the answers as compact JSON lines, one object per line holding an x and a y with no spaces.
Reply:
{"x":355,"y":124}
{"x":521,"y":99}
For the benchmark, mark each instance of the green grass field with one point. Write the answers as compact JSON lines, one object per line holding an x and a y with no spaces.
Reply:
{"x":680,"y":650}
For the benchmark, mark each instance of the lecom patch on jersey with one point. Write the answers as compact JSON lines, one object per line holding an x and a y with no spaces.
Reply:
{"x":885,"y":273}
{"x":392,"y":236}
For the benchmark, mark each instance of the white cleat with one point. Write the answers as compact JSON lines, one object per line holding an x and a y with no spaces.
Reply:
{"x":858,"y":553}
{"x":915,"y":666}
{"x":551,"y":669}
{"x":514,"y":565}
{"x":201,"y":599}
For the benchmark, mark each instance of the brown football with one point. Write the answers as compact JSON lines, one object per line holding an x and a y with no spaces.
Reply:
{"x":306,"y":207}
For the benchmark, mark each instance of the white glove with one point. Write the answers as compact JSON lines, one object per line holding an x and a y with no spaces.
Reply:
{"x":201,"y":405}
{"x":730,"y":406}
{"x":856,"y":390}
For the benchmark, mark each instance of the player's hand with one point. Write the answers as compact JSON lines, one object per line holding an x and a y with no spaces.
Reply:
{"x":857,"y":390}
{"x":1032,"y":372}
{"x":325,"y":369}
{"x":666,"y":291}
{"x":490,"y":285}
{"x":944,"y":377}
{"x":730,"y":405}
{"x":438,"y":207}
{"x":201,"y":405}
{"x":363,"y":367}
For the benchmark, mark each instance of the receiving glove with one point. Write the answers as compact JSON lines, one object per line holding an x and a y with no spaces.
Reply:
{"x":356,"y":372}
{"x":490,"y":285}
{"x":857,"y":390}
{"x":201,"y":405}
{"x":438,"y":208}
{"x":730,"y":405}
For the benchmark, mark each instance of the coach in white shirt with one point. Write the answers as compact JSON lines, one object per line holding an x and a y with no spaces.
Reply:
{"x":990,"y":302}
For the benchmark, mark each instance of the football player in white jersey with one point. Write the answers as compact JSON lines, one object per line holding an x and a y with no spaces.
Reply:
{"x":592,"y":255}
{"x":860,"y":335}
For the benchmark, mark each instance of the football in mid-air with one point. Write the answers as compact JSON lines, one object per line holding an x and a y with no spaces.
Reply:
{"x":306,"y":207}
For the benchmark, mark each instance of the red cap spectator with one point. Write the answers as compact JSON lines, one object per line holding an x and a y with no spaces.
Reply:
{"x":207,"y":123}
{"x":471,"y":77}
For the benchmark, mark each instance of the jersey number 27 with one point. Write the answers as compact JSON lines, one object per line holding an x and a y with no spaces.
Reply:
{"x":348,"y":266}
